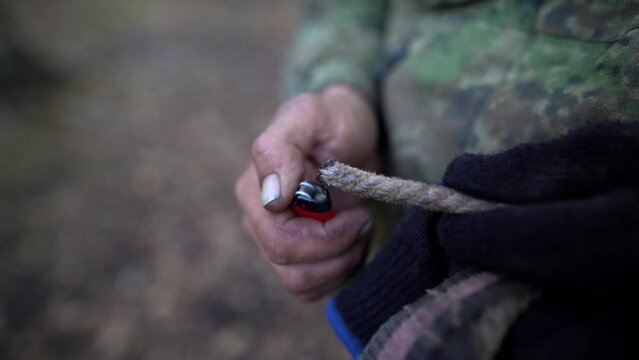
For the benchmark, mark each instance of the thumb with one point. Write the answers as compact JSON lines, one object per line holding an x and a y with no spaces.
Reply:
{"x":280,"y":166}
{"x":281,"y":153}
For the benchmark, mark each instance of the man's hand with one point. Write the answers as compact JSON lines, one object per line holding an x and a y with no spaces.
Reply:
{"x":311,"y":258}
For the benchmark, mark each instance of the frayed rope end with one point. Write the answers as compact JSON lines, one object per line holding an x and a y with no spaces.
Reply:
{"x":324,"y":171}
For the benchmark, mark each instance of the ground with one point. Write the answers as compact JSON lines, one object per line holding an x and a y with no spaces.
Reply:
{"x":120,"y":235}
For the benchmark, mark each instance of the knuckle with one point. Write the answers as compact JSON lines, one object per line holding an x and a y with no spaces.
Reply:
{"x":302,"y":101}
{"x":261,"y":147}
{"x":303,"y":105}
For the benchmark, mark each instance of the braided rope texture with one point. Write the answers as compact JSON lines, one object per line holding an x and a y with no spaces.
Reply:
{"x":399,"y":191}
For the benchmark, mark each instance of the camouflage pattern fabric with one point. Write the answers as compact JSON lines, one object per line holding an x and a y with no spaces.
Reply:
{"x":477,"y":76}
{"x":338,"y":42}
{"x":456,"y":76}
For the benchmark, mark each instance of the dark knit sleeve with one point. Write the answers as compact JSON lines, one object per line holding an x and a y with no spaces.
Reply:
{"x":409,"y":264}
{"x":573,"y":219}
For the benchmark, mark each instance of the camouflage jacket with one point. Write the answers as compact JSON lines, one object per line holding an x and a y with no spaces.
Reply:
{"x":477,"y":76}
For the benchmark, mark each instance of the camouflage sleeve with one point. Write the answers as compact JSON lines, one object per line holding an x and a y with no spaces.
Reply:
{"x":338,"y":41}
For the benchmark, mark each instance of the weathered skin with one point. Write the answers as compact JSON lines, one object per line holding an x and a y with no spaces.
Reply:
{"x":477,"y":76}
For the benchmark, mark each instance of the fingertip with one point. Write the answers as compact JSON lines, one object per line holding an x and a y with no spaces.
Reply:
{"x":276,"y":205}
{"x":279,"y":162}
{"x":285,"y":198}
{"x":278,"y":186}
{"x":366,"y":231}
{"x":271,"y":189}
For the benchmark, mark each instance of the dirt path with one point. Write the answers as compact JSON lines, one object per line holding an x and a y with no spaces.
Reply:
{"x":121,"y":237}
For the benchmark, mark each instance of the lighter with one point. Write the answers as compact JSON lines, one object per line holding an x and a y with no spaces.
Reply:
{"x":312,"y":200}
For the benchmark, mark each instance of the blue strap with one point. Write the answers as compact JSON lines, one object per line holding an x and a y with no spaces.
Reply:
{"x":341,"y":329}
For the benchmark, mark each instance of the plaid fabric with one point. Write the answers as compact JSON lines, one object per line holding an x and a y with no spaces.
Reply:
{"x":466,"y":317}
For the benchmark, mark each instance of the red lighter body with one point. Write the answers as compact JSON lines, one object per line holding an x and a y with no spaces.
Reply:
{"x":312,"y":200}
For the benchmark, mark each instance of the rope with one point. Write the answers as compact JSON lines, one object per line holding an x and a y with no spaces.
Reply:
{"x":399,"y":191}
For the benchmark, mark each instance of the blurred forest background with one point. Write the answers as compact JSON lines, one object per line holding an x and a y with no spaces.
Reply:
{"x":123,"y":126}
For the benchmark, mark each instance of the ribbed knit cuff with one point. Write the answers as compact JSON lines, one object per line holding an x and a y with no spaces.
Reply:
{"x":409,"y":264}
